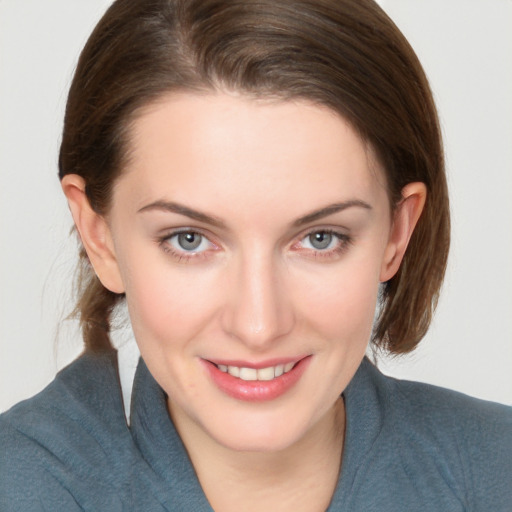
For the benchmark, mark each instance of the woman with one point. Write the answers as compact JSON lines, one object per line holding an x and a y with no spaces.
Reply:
{"x":252,"y":178}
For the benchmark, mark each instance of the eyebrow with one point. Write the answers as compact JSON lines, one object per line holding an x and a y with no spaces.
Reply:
{"x":169,"y":206}
{"x":181,"y":209}
{"x":331,"y":210}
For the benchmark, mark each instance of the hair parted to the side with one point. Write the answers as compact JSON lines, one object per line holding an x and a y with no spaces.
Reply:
{"x":344,"y":54}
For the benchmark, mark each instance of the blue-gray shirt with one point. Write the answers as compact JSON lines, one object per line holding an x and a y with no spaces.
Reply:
{"x":408,"y":447}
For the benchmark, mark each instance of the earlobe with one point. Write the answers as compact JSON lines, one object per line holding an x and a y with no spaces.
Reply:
{"x":94,"y":233}
{"x":405,"y":218}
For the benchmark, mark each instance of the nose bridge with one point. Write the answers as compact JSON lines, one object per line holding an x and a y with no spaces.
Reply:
{"x":258,"y":311}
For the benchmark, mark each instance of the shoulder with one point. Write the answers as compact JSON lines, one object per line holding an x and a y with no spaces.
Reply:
{"x":85,"y":395}
{"x":63,"y":437}
{"x":468,"y":440}
{"x":424,"y":446}
{"x":450,"y":414}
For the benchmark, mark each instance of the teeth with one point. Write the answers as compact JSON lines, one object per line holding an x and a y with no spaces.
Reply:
{"x":264,"y":374}
{"x":248,"y":374}
{"x":234,"y":370}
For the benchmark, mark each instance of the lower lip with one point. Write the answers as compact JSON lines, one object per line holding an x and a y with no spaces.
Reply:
{"x":256,"y":390}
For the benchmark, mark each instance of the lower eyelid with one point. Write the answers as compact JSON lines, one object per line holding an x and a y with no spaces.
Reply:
{"x":340,"y":248}
{"x":182,"y":255}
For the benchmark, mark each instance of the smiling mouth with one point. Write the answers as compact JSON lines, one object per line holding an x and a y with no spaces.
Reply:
{"x":267,"y":382}
{"x":253,"y":374}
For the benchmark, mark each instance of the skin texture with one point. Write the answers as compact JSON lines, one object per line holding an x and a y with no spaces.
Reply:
{"x":256,"y":288}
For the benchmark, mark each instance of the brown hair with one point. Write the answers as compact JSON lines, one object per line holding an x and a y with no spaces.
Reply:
{"x":344,"y":54}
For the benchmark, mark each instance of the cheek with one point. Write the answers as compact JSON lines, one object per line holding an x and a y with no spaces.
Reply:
{"x":342,"y":302}
{"x":169,"y":305}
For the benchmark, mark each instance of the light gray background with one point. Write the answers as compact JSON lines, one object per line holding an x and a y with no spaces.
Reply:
{"x":466,"y":48}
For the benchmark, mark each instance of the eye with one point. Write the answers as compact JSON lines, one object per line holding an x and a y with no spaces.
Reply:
{"x":323,"y":243}
{"x":190,"y":242}
{"x":321,"y":240}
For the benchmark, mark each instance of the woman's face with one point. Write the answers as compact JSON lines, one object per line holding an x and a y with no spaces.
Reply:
{"x":250,"y":238}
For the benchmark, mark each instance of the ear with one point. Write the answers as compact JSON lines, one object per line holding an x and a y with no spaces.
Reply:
{"x":404,"y":220}
{"x":94,"y":233}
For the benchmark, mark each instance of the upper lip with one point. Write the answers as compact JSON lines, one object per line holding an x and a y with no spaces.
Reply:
{"x":255,"y":364}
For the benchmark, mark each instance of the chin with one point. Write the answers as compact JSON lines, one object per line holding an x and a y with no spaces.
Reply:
{"x":251,"y":442}
{"x":261,"y":433}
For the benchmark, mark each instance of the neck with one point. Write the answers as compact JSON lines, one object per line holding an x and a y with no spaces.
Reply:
{"x":301,"y":477}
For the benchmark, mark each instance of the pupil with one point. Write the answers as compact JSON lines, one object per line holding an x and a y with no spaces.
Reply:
{"x":320,"y":239}
{"x":189,"y":241}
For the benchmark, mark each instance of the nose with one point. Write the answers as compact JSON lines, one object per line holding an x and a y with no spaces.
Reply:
{"x":258,"y":310}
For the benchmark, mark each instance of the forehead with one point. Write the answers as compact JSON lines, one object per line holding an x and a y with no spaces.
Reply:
{"x":224,"y":147}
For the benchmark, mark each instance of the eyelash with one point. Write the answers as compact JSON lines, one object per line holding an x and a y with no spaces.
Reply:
{"x":343,"y":242}
{"x":342,"y":245}
{"x":164,"y":243}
